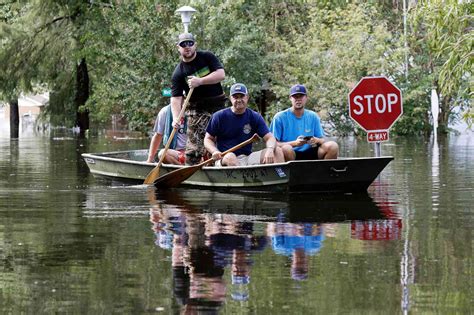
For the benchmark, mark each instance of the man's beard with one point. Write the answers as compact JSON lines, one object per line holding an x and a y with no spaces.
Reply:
{"x":185,"y":56}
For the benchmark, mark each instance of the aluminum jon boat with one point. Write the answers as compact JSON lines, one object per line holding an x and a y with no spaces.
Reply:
{"x":341,"y":175}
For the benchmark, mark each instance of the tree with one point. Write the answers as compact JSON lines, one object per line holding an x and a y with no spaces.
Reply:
{"x":135,"y":60}
{"x":114,"y":57}
{"x":45,"y":45}
{"x":338,"y":47}
{"x":237,"y":32}
{"x":442,"y":45}
{"x":10,"y":12}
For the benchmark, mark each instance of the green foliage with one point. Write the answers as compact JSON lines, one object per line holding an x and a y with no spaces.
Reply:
{"x":442,"y":47}
{"x":129,"y":47}
{"x":134,"y":60}
{"x":416,"y":100}
{"x":231,"y":30}
{"x":468,"y":116}
{"x":42,"y":48}
{"x":60,"y":115}
{"x":10,"y":81}
{"x":339,"y":47}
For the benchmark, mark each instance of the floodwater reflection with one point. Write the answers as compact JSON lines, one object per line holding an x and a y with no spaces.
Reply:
{"x":210,"y":232}
{"x":70,"y":243}
{"x":202,"y":245}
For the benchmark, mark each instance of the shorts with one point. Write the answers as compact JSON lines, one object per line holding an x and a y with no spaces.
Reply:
{"x":244,"y":160}
{"x":196,"y":130}
{"x":182,"y":157}
{"x":310,"y":154}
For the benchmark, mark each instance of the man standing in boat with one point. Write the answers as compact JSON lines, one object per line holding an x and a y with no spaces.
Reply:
{"x":299,"y":132}
{"x":162,"y":130}
{"x":202,"y":71}
{"x":231,"y":126}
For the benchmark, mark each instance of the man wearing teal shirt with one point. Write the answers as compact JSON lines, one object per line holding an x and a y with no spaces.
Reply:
{"x":299,"y":132}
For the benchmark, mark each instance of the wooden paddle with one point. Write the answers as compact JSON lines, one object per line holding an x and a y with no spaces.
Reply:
{"x":155,"y":172}
{"x":176,"y":177}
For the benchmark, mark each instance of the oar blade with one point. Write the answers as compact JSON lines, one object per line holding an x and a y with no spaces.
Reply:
{"x":176,"y":177}
{"x":155,"y":173}
{"x":152,"y":176}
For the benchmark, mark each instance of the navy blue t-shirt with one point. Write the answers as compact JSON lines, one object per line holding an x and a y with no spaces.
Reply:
{"x":230,"y":129}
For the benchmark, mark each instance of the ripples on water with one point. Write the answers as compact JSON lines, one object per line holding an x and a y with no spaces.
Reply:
{"x":71,"y":243}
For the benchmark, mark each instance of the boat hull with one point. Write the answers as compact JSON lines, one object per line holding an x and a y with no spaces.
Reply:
{"x":341,"y":175}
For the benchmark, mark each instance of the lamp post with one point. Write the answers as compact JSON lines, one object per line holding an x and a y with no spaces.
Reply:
{"x":186,"y":15}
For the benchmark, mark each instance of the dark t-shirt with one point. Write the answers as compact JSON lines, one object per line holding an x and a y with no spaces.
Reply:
{"x":204,"y":63}
{"x":231,"y":129}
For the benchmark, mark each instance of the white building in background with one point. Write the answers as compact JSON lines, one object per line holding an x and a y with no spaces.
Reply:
{"x":29,"y":107}
{"x":32,"y":105}
{"x":29,"y":104}
{"x":4,"y":125}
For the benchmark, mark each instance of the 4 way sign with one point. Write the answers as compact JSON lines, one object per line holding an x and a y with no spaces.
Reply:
{"x":375,"y":104}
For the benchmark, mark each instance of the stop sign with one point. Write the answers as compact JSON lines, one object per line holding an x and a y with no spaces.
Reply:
{"x":375,"y":103}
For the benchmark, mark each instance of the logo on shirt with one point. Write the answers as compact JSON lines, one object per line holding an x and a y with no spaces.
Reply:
{"x":201,"y":72}
{"x":247,"y":129}
{"x":181,"y":126}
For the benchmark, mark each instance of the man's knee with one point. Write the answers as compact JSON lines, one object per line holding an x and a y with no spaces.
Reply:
{"x":330,"y":150}
{"x":288,"y":152}
{"x":279,"y":155}
{"x":160,"y":154}
{"x":230,"y":159}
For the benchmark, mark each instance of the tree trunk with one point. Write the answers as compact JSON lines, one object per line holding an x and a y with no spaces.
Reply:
{"x":14,"y":119}
{"x":443,"y":118}
{"x":82,"y":94}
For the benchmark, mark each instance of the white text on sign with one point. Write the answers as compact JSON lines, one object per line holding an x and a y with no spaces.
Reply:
{"x":377,"y":136}
{"x":381,"y":103}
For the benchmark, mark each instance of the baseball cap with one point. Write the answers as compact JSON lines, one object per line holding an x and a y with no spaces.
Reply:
{"x":185,"y":37}
{"x":297,"y":89}
{"x":238,"y":88}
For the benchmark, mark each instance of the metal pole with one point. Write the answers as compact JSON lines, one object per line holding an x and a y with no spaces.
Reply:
{"x":405,"y":37}
{"x":378,"y":149}
{"x":435,"y":111}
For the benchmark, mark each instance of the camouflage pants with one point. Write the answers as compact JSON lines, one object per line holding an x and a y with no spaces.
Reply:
{"x":197,"y":123}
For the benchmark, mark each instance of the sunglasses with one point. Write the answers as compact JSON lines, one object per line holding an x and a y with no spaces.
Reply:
{"x":187,"y":43}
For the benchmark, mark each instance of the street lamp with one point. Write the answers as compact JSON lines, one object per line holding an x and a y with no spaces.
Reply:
{"x":186,"y":14}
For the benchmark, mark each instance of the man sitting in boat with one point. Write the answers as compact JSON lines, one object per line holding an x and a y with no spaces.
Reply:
{"x":231,"y":126}
{"x":299,"y":132}
{"x":162,"y":129}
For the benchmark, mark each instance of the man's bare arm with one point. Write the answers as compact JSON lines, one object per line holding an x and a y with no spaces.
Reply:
{"x":176,"y":103}
{"x":210,"y":145}
{"x":154,"y":145}
{"x":212,"y":78}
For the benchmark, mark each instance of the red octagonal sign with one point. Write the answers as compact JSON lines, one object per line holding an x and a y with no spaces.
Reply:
{"x":375,"y":103}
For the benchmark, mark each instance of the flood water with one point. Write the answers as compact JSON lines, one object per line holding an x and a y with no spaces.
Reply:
{"x":70,"y":243}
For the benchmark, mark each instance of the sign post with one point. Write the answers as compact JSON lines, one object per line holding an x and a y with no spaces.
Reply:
{"x":375,"y":104}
